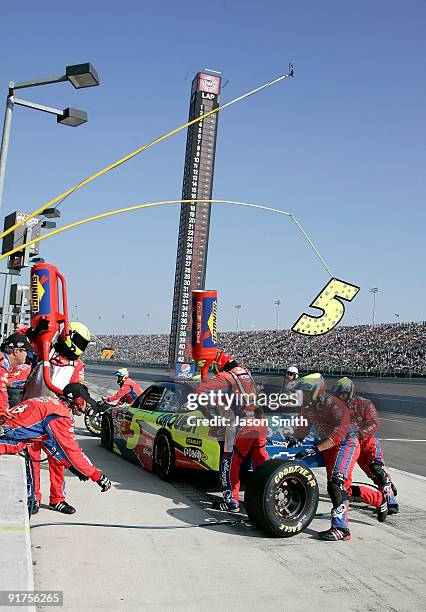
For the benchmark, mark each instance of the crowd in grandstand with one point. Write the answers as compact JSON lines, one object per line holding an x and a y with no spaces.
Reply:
{"x":387,"y":347}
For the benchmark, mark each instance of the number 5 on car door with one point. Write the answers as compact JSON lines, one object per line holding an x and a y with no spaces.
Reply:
{"x":329,"y":300}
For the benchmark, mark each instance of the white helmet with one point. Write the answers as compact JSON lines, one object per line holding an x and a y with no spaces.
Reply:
{"x":293,"y":370}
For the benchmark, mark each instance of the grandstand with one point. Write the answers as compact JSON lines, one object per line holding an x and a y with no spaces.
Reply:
{"x":398,"y":348}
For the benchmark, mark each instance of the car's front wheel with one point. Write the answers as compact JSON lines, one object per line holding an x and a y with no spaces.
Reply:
{"x":282,"y":497}
{"x":164,"y":456}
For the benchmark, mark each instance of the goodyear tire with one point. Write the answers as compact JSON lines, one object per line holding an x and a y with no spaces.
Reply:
{"x":164,"y":456}
{"x":107,"y":436}
{"x":282,"y":497}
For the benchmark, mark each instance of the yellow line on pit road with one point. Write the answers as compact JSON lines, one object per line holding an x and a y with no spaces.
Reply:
{"x":12,"y":528}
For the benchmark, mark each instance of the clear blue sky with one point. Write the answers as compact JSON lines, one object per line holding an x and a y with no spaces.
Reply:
{"x":342,"y":145}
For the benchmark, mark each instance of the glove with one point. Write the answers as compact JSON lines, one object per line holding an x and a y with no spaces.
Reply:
{"x":76,"y":472}
{"x":307,"y":452}
{"x":41,"y":326}
{"x":293,"y":443}
{"x":104,"y":482}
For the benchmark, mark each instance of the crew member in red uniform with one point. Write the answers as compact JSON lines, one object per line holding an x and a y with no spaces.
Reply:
{"x":48,"y":421}
{"x":16,"y":381}
{"x":331,"y":420}
{"x":236,"y":382}
{"x":128,"y":392}
{"x":66,"y":367}
{"x":12,"y":364}
{"x":366,"y":422}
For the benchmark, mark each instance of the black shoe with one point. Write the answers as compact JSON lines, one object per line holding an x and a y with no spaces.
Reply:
{"x":62,"y":507}
{"x":393,"y":509}
{"x":382,"y":511}
{"x":36,"y":507}
{"x":334,"y":535}
{"x":226,"y":507}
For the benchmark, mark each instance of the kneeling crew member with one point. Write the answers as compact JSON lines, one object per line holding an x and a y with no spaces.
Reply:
{"x":128,"y":392}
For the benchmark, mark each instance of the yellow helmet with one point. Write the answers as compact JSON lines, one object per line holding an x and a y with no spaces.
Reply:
{"x":78,"y":338}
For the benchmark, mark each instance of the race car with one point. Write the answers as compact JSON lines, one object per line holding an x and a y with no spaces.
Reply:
{"x":162,"y":434}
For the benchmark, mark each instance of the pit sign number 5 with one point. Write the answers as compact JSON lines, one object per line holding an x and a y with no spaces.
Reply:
{"x":329,"y":300}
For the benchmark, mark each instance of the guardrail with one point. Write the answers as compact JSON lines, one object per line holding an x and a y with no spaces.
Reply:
{"x":265,"y":370}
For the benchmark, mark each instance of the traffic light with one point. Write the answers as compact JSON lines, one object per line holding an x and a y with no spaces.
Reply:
{"x":29,"y":230}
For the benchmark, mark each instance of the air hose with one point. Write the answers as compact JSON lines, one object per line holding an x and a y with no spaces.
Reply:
{"x":119,"y":526}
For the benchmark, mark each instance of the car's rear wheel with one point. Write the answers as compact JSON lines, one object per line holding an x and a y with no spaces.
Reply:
{"x":164,"y":456}
{"x":107,"y":435}
{"x":282,"y":497}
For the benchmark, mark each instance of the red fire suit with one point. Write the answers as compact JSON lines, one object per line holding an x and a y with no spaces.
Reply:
{"x":331,"y":419}
{"x":46,"y":421}
{"x":63,"y":372}
{"x":240,"y":441}
{"x":4,"y":372}
{"x":16,"y":380}
{"x":366,"y":422}
{"x":18,"y":375}
{"x":127,"y":393}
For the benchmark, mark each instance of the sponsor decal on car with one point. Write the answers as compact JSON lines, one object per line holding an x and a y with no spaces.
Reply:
{"x":176,"y":421}
{"x":194,"y":442}
{"x":195,"y":453}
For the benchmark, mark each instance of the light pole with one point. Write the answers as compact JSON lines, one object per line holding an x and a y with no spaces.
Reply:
{"x":238,"y":307}
{"x":374,"y":290}
{"x":277,"y":304}
{"x":79,"y":75}
{"x":147,"y":323}
{"x":397,"y":316}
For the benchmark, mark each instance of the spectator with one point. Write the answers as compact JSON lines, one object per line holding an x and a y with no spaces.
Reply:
{"x":385,"y":348}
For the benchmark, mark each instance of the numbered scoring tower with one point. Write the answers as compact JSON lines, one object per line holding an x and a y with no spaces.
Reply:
{"x":193,"y":238}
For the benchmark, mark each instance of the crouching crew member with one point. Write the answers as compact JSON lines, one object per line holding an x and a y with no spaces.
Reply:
{"x":48,"y":421}
{"x":339,"y":444}
{"x":65,"y":367}
{"x":366,"y":422}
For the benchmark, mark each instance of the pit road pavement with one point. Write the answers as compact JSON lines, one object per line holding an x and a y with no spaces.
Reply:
{"x":139,"y":547}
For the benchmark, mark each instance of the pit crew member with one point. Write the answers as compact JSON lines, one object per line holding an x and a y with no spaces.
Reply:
{"x":12,"y":364}
{"x":290,"y":380}
{"x":339,"y":444}
{"x":66,"y":367}
{"x":128,"y":392}
{"x":240,"y":441}
{"x":48,"y":421}
{"x":366,"y":422}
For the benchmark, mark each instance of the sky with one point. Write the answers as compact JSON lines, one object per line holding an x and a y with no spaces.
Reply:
{"x":342,"y":146}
